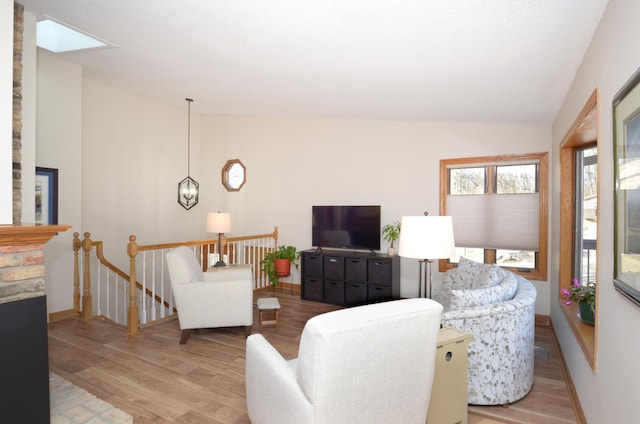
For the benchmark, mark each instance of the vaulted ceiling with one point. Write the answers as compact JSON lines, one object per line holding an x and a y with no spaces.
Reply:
{"x":471,"y":60}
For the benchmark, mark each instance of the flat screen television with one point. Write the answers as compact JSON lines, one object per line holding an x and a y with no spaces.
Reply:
{"x":346,"y":227}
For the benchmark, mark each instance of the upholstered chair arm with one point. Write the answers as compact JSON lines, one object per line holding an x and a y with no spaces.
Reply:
{"x":228,"y":274}
{"x":273,"y":393}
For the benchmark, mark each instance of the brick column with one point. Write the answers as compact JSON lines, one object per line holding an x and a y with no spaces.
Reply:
{"x":21,"y":272}
{"x":18,"y":29}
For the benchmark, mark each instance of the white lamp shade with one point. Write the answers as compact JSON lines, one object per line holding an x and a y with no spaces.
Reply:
{"x":427,"y":237}
{"x":218,"y":222}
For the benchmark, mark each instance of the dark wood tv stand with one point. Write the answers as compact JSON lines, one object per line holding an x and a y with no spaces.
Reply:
{"x":344,"y":277}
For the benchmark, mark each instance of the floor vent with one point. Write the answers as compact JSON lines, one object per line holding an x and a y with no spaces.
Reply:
{"x":542,"y":352}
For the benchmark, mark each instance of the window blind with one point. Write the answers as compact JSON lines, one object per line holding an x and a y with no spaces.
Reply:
{"x":496,"y":221}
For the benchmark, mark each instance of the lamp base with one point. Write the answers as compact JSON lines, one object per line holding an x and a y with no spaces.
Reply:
{"x":220,"y":251}
{"x":424,"y":271}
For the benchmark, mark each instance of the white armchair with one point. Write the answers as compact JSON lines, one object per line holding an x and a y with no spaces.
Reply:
{"x":367,"y":364}
{"x":209,"y":299}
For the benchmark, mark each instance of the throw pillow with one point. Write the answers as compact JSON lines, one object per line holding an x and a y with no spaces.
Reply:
{"x":472,"y":275}
{"x":471,"y":298}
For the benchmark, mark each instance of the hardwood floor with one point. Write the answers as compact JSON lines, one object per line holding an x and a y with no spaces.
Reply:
{"x":156,"y":380}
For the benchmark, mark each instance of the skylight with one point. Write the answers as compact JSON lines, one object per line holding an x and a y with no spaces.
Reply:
{"x":59,"y":38}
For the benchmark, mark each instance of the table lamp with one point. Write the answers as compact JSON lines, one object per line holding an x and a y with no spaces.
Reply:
{"x":219,"y":223}
{"x":426,"y":238}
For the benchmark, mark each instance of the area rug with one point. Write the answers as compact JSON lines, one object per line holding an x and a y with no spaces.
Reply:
{"x":72,"y":404}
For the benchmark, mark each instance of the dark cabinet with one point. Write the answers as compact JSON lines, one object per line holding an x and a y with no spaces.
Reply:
{"x":24,"y":362}
{"x":349,"y":278}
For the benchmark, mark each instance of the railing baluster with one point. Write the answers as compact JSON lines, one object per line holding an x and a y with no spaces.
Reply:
{"x":144,"y":288}
{"x":99,"y":290}
{"x":111,"y":293}
{"x":121,"y":299}
{"x":153,"y":284}
{"x":162,"y":299}
{"x":171,"y":301}
{"x":115,"y":302}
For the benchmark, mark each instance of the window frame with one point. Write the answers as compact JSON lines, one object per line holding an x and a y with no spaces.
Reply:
{"x":539,"y":272}
{"x":583,"y":132}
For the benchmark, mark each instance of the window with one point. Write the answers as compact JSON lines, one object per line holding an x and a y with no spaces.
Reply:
{"x":584,"y":264}
{"x":499,"y":210}
{"x":579,"y":218}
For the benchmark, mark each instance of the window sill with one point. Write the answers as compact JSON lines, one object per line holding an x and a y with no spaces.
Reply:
{"x":585,"y":333}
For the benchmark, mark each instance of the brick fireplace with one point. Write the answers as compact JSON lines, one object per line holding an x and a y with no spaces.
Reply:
{"x":24,"y":359}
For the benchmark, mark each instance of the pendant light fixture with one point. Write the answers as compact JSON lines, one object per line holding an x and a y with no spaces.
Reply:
{"x":188,"y":191}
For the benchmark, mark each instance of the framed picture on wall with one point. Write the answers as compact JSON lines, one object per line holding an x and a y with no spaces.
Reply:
{"x":626,"y":139}
{"x":46,"y":196}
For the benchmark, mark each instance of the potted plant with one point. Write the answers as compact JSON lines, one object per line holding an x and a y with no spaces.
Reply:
{"x":585,"y":296}
{"x":278,"y":263}
{"x":390,"y":233}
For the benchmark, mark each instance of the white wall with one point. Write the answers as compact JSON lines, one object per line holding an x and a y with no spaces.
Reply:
{"x":610,"y":395}
{"x":6,"y":111}
{"x":59,"y":145}
{"x":293,"y":164}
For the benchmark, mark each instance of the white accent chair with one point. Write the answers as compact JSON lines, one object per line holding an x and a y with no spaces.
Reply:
{"x":368,"y":364}
{"x":209,"y":299}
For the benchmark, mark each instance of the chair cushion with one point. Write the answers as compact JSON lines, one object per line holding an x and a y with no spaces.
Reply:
{"x":183,"y":266}
{"x":470,"y":298}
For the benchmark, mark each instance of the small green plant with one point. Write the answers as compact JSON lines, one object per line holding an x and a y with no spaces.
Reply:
{"x":580,"y":293}
{"x":391,"y":232}
{"x":269,"y":262}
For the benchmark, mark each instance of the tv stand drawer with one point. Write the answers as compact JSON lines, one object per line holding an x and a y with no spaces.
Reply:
{"x":312,"y":289}
{"x":333,"y":267}
{"x":355,"y":269}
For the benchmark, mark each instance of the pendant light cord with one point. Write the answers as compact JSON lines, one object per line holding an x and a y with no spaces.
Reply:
{"x":188,"y":136}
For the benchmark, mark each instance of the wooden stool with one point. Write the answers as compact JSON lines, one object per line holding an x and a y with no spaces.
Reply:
{"x":267,"y":304}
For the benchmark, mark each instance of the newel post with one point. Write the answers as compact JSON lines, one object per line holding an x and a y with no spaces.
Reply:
{"x":133,"y":321}
{"x":87,"y":302}
{"x":275,"y":237}
{"x":76,"y":274}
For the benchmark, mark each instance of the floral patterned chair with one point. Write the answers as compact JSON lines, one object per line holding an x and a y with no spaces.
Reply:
{"x":498,"y":308}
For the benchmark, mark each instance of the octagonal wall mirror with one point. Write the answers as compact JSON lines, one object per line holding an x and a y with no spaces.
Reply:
{"x":234,"y":175}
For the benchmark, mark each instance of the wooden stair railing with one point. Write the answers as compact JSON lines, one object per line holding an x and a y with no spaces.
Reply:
{"x":146,"y":289}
